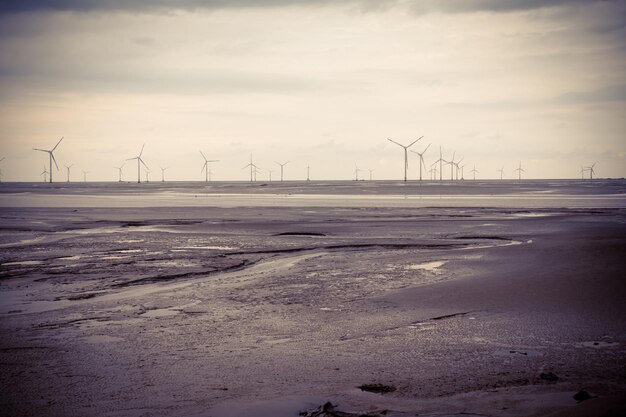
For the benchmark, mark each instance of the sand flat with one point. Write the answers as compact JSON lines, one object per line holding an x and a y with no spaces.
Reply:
{"x":285,"y":309}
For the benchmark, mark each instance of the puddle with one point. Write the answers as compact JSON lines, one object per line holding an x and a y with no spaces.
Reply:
{"x":159,"y":312}
{"x":70,"y":258}
{"x":176,"y":264}
{"x":22,"y":263}
{"x":130,"y":251}
{"x":427,"y":266}
{"x":110,"y":257}
{"x":208,"y":247}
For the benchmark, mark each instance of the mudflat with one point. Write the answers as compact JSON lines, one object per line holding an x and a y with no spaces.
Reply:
{"x":230,"y":299}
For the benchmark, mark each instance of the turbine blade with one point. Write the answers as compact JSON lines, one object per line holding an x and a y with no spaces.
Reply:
{"x":413,"y":143}
{"x":203,"y":155}
{"x":424,"y":151}
{"x":41,"y":150}
{"x":399,"y":144}
{"x":144,"y":164}
{"x":140,"y":153}
{"x":55,"y":146}
{"x":54,"y":160}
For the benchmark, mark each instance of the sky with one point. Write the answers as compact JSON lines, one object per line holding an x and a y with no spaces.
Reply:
{"x":316,"y":83}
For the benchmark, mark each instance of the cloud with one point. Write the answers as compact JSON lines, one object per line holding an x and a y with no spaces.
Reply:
{"x":421,"y":6}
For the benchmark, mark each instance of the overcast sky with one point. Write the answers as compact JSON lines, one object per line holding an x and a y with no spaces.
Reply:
{"x":319,"y":83}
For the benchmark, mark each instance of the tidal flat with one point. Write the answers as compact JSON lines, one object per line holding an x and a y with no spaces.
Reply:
{"x":498,"y":298}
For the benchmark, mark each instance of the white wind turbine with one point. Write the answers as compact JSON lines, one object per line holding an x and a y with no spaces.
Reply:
{"x":501,"y":171}
{"x":270,"y":172}
{"x":205,"y":167}
{"x":120,"y":171}
{"x":85,"y":175}
{"x":371,"y":171}
{"x":406,"y":158}
{"x":68,"y":171}
{"x":147,"y":171}
{"x":308,"y":172}
{"x":519,"y":171}
{"x":591,"y":170}
{"x":474,"y":172}
{"x":139,"y":160}
{"x":458,"y":167}
{"x":163,"y":173}
{"x":281,"y":168}
{"x":50,"y":152}
{"x":356,"y":172}
{"x":451,"y":163}
{"x":44,"y":173}
{"x":582,"y":172}
{"x":421,"y":156}
{"x":253,"y":168}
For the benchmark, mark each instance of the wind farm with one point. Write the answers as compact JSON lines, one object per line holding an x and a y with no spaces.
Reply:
{"x":318,"y":259}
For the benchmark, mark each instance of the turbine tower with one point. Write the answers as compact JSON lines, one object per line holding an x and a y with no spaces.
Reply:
{"x":270,"y":171}
{"x":519,"y":171}
{"x":582,"y":172}
{"x":68,"y":171}
{"x":406,"y":158}
{"x":163,"y":173}
{"x":356,"y":172}
{"x":44,"y":173}
{"x":206,"y":167}
{"x":308,"y":172}
{"x":501,"y":171}
{"x":281,"y":169}
{"x":120,"y":171}
{"x":474,"y":171}
{"x":371,"y":171}
{"x":421,"y":156}
{"x":50,"y":152}
{"x":139,"y":160}
{"x":147,"y":171}
{"x":85,"y":175}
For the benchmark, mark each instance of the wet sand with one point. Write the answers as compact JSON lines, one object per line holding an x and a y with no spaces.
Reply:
{"x":273,"y":308}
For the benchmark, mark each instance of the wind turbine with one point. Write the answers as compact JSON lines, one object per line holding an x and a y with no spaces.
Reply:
{"x":451,"y":163}
{"x":281,"y":168}
{"x":371,"y":170}
{"x":253,"y":168}
{"x":44,"y":173}
{"x":519,"y":171}
{"x":206,"y":167}
{"x":85,"y":175}
{"x":270,"y":171}
{"x":120,"y":171}
{"x":308,"y":172}
{"x":163,"y":173}
{"x":501,"y":171}
{"x":406,"y":158}
{"x":139,"y":160}
{"x":147,"y":171}
{"x":440,"y":161}
{"x":50,"y":152}
{"x":474,"y":171}
{"x":421,"y":156}
{"x":591,"y":170}
{"x":356,"y":172}
{"x":68,"y":171}
{"x":458,"y":167}
{"x":582,"y":172}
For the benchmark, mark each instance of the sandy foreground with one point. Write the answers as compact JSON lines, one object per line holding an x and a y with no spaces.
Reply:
{"x":270,"y":300}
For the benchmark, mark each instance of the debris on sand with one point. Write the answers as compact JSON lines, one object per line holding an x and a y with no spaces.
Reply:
{"x":328,"y":410}
{"x":583,"y":395}
{"x":377,"y":388}
{"x":549,"y":376}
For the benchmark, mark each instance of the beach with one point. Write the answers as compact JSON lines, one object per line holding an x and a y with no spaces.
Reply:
{"x":497,"y":298}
